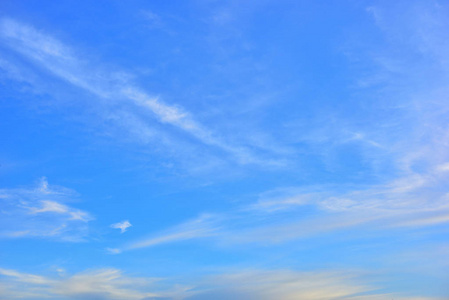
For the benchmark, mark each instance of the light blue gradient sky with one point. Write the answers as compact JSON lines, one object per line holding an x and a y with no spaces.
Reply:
{"x":224,"y":150}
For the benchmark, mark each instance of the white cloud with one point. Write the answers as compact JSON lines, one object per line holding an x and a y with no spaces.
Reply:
{"x":26,"y":278}
{"x":104,"y":284}
{"x":412,"y":201}
{"x":41,"y":212}
{"x":121,"y":225}
{"x":290,"y":285}
{"x":426,"y":220}
{"x":203,"y":226}
{"x":240,"y":284}
{"x":282,"y":284}
{"x":61,"y":60}
{"x":443,"y":167}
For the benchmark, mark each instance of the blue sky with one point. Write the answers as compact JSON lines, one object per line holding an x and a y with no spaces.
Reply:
{"x":224,"y":150}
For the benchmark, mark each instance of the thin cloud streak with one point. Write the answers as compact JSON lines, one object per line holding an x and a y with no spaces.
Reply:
{"x":59,"y":59}
{"x":404,"y":202}
{"x":202,"y":227}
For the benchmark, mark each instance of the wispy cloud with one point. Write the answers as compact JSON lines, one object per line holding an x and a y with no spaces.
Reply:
{"x":204,"y":226}
{"x":414,"y":201}
{"x":411,"y":201}
{"x":108,"y":284}
{"x":41,"y":212}
{"x":105,"y":284}
{"x":290,"y":285}
{"x":282,"y":284}
{"x":154,"y":20}
{"x":62,"y":61}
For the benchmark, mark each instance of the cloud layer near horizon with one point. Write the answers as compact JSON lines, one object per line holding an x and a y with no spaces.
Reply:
{"x":108,"y":284}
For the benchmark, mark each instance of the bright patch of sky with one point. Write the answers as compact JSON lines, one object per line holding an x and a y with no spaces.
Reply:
{"x":224,"y":150}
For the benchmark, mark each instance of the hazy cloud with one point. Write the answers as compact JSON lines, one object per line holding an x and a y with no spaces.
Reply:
{"x":101,"y":284}
{"x":63,"y":62}
{"x":42,"y":212}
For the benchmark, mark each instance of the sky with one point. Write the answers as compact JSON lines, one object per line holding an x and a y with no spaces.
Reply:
{"x":203,"y":149}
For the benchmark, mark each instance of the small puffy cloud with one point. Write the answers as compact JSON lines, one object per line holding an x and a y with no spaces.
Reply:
{"x":123,"y":226}
{"x":42,"y":212}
